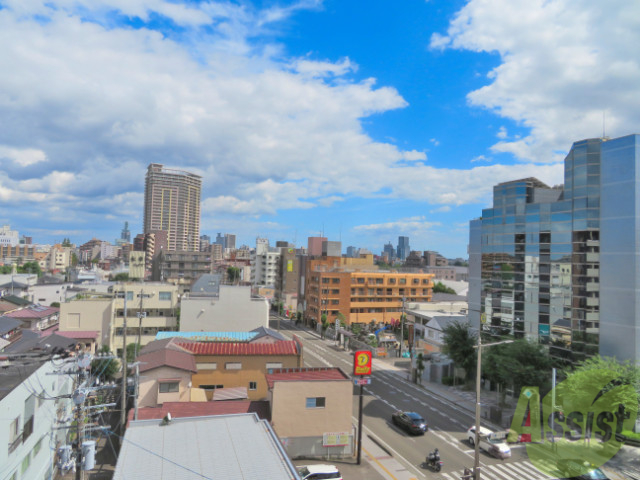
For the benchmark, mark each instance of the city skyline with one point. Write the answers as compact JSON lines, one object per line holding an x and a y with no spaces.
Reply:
{"x":398,"y":123}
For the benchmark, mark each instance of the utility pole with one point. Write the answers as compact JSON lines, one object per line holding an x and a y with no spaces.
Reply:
{"x":141,"y":315}
{"x":123,"y":413}
{"x":402,"y":328}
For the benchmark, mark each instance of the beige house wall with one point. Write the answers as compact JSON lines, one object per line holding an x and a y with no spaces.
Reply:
{"x":291,"y":418}
{"x":149,"y":395}
{"x":91,"y":314}
{"x":233,"y":311}
{"x":159,"y":301}
{"x":253,"y":369}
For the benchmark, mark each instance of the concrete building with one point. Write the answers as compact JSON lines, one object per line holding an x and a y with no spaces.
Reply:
{"x":35,"y":401}
{"x":150,"y":308}
{"x":311,"y":411}
{"x":340,"y":286}
{"x":560,"y":264}
{"x":172,"y":204}
{"x":331,"y":248}
{"x":265,"y":264}
{"x":184,"y":266}
{"x":314,"y":246}
{"x":9,"y":237}
{"x":228,"y":308}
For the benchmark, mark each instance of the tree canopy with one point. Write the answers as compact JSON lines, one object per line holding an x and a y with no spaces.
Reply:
{"x":105,"y":369}
{"x":440,"y":287}
{"x":459,"y":340}
{"x":520,"y":364}
{"x":233,"y":274}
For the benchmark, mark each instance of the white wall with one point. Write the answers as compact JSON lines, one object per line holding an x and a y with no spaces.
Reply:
{"x":233,"y":311}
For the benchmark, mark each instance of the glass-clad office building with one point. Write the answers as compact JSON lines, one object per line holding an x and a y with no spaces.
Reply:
{"x":560,"y":263}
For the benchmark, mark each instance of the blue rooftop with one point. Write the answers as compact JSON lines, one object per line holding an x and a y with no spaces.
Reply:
{"x":210,"y":336}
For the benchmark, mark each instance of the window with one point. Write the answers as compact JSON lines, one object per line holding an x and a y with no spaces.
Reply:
{"x":207,"y":366}
{"x":271,"y":365}
{"x":14,"y":429}
{"x":253,"y":385}
{"x":164,"y":296}
{"x":402,"y":281}
{"x":233,"y":366}
{"x":211,"y":387}
{"x":335,"y":280}
{"x":26,"y":461}
{"x":129,"y":295}
{"x":315,"y":402}
{"x":37,"y":448}
{"x":168,"y":387}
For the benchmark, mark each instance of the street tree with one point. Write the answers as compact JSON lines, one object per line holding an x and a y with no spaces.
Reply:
{"x":459,"y":340}
{"x":233,"y":275}
{"x":325,"y":324}
{"x":603,"y":375}
{"x":519,"y":364}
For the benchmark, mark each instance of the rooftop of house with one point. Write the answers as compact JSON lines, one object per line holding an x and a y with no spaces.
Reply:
{"x":209,"y":336}
{"x":203,"y":409}
{"x":320,"y":374}
{"x":34,"y":311}
{"x":16,"y":370}
{"x":237,"y":446}
{"x":167,"y":358}
{"x":16,"y":300}
{"x":281,"y":347}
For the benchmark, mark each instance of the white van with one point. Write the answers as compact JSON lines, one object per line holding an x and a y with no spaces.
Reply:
{"x":319,"y":472}
{"x":493,"y":443}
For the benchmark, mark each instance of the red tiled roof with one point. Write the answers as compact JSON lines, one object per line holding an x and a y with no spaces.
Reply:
{"x":30,"y":312}
{"x":202,"y":409}
{"x":304,"y":375}
{"x":167,"y":358}
{"x":79,"y":333}
{"x":283,"y":347}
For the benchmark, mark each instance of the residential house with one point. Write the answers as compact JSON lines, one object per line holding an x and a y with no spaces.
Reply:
{"x":37,"y":317}
{"x":311,"y":411}
{"x":241,"y":365}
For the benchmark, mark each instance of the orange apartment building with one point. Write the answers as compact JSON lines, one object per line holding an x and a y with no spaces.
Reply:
{"x":361,"y":294}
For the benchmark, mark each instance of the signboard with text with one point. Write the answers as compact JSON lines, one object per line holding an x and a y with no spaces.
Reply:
{"x":362,"y":362}
{"x":338,"y":439}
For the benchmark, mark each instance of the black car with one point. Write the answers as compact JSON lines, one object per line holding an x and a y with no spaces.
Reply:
{"x":410,"y":421}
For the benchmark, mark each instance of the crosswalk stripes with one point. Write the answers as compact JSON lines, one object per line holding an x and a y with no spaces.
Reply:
{"x":503,"y":471}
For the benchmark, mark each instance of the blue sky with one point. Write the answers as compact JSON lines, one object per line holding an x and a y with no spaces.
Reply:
{"x":365,"y":120}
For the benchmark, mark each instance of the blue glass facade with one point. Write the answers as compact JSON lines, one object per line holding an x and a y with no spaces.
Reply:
{"x":540,"y":255}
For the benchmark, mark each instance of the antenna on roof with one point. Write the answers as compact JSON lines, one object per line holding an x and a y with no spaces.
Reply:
{"x":603,"y":124}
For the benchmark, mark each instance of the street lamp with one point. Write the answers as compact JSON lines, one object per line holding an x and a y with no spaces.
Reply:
{"x":476,"y":461}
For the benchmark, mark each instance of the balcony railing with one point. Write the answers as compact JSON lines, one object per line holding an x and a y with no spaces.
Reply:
{"x":16,"y":442}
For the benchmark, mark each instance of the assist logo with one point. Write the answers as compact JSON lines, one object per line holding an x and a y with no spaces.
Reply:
{"x":578,"y":432}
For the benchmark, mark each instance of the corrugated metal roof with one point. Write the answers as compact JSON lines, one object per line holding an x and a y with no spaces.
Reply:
{"x":209,"y":336}
{"x":283,"y":347}
{"x":226,"y":447}
{"x":230,"y":393}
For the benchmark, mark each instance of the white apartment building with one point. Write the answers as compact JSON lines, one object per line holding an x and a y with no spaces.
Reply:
{"x":9,"y":237}
{"x":264,"y":264}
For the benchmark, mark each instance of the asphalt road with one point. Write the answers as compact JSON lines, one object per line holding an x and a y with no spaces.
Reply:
{"x":389,"y":392}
